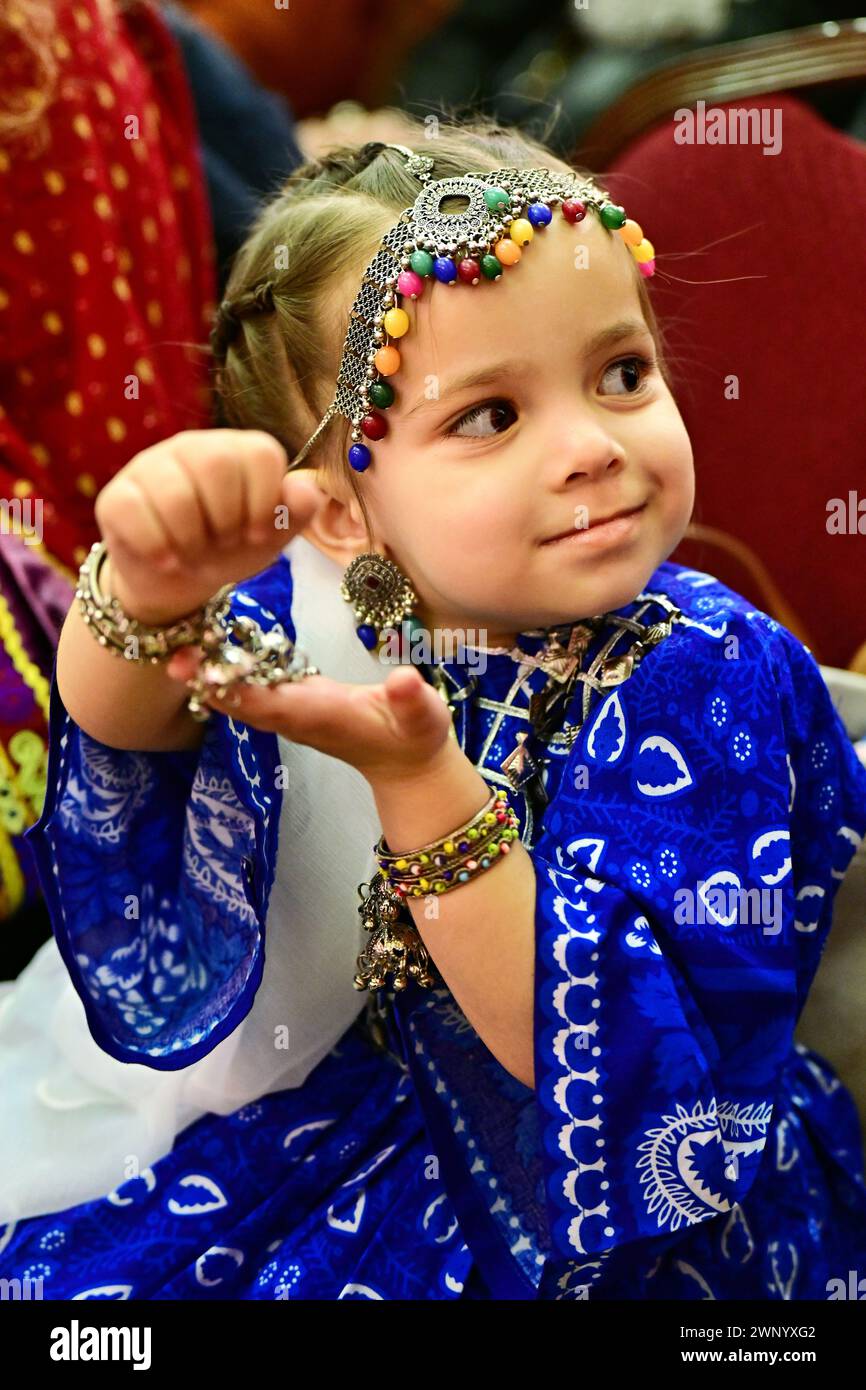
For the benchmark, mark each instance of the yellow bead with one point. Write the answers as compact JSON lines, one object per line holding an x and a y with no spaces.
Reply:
{"x":439,"y":886}
{"x":423,"y":883}
{"x":472,"y":834}
{"x":631,"y":232}
{"x":396,"y":323}
{"x":402,"y":864}
{"x":489,"y":818}
{"x":521,"y":231}
{"x":644,"y":251}
{"x":448,"y":846}
{"x":507,"y":252}
{"x":423,"y":858}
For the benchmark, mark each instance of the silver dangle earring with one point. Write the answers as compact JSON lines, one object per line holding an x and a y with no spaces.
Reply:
{"x":380,"y":594}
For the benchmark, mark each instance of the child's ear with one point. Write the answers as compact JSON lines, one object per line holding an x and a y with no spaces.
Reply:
{"x":337,"y":528}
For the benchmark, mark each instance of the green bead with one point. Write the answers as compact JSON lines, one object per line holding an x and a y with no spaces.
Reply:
{"x":497,"y":199}
{"x":381,"y":394}
{"x":491,"y":267}
{"x":611,"y":215}
{"x":421,"y":262}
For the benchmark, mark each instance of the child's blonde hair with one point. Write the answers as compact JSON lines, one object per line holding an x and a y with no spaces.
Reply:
{"x":277,"y":354}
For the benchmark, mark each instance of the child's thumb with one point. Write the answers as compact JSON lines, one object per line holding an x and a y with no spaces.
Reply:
{"x":304,"y":497}
{"x":409,"y":697}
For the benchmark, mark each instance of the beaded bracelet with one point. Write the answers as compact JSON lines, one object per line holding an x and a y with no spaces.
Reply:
{"x":457,"y":857}
{"x":394,"y":947}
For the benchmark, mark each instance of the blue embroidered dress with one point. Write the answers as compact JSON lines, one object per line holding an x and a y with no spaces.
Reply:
{"x":689,"y":828}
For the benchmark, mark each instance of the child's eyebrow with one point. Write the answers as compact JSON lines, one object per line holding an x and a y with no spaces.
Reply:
{"x":508,"y":369}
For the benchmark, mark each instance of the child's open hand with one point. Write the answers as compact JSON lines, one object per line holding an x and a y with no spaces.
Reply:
{"x":197,"y":511}
{"x":388,"y":732}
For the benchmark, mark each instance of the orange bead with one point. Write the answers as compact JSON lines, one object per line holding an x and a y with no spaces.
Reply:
{"x":387,"y":361}
{"x":631,"y":232}
{"x":507,"y":252}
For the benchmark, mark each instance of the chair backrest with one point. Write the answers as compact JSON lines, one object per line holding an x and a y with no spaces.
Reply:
{"x":812,"y":57}
{"x":833,"y":1021}
{"x":759,"y":292}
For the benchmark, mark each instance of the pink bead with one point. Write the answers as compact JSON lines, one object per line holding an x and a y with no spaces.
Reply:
{"x":410,"y":284}
{"x":646,"y":268}
{"x":471,"y":864}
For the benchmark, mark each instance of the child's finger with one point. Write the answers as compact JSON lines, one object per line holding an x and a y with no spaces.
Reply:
{"x":303,"y":498}
{"x":183,"y":664}
{"x":409,"y":700}
{"x":303,"y":711}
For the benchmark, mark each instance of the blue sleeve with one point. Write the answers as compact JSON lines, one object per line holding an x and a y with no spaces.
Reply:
{"x":156,"y":868}
{"x":685,"y":884}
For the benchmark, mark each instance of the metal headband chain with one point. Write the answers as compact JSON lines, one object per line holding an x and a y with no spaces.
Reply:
{"x":503,"y":209}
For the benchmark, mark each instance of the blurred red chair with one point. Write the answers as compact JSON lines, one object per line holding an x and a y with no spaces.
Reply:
{"x":769,"y":258}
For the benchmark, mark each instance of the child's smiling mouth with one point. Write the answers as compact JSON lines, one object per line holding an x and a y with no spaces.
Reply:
{"x":619,"y":526}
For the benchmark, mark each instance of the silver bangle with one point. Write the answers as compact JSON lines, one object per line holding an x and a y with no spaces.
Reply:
{"x":256,"y":657}
{"x":115,"y":630}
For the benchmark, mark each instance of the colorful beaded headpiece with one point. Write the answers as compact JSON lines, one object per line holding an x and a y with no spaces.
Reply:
{"x":504,"y":209}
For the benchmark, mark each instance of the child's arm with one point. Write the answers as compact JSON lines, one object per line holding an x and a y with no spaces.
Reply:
{"x":180,"y":520}
{"x":125,"y":704}
{"x":483,"y":936}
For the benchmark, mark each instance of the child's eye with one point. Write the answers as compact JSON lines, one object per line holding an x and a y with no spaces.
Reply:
{"x":474,"y":419}
{"x":633,"y":371}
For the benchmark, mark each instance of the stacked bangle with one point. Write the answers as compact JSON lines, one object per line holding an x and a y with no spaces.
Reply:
{"x":394,"y":947}
{"x":459,"y":856}
{"x":126,"y":636}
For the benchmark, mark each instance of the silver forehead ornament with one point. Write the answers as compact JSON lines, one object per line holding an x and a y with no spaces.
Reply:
{"x":503,"y":209}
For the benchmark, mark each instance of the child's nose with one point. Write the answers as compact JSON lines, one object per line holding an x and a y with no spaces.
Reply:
{"x":589,"y":454}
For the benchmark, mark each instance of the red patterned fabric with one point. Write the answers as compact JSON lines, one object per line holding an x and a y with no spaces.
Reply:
{"x":106,"y":293}
{"x":105,"y":270}
{"x":768,"y":463}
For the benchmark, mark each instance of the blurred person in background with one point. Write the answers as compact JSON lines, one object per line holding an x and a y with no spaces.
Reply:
{"x":106,"y":296}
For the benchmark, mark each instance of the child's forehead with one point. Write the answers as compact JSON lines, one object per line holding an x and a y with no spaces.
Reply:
{"x":570,"y":282}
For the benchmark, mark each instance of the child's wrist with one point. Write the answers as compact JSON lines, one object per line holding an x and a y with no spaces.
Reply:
{"x":134,"y":606}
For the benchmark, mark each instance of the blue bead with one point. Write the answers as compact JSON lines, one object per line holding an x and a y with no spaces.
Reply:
{"x":360,"y":457}
{"x":444,"y":269}
{"x":539,"y":214}
{"x":367,"y":635}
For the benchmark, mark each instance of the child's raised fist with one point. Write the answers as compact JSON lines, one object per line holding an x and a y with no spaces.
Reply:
{"x":196,"y":511}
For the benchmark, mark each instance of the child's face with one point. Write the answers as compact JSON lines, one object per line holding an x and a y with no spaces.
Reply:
{"x":571,"y":435}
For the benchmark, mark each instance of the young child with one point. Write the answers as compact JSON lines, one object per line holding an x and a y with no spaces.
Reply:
{"x":574,"y":1075}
